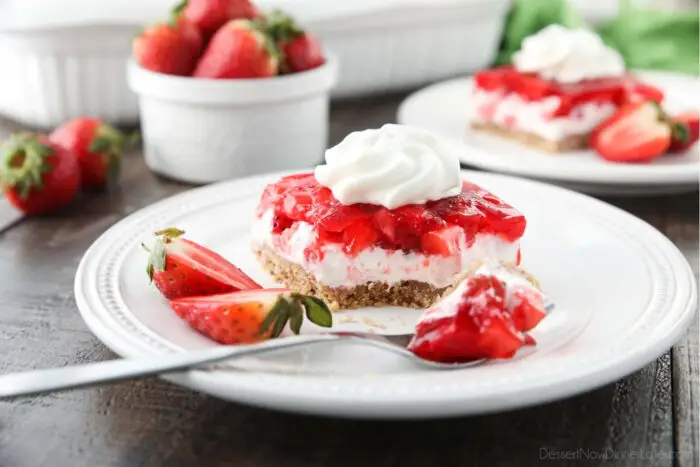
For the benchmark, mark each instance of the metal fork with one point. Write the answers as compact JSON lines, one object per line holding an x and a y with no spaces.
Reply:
{"x":93,"y":374}
{"x":34,"y":382}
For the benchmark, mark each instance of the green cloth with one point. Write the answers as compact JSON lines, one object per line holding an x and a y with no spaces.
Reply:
{"x":647,"y":39}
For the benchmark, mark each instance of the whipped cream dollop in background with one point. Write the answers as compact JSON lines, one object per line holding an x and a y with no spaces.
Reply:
{"x":568,"y":55}
{"x":391,"y":166}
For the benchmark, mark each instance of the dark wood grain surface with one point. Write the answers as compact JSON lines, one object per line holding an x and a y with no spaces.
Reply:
{"x":649,"y":418}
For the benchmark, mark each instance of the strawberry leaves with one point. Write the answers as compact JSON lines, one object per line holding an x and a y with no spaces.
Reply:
{"x":110,"y":143}
{"x":281,"y":27}
{"x":290,"y":308}
{"x":317,"y":311}
{"x":24,"y":163}
{"x":157,"y":256}
{"x":680,"y":132}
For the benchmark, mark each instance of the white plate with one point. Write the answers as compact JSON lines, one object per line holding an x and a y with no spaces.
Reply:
{"x":625,"y":294}
{"x":442,"y":108}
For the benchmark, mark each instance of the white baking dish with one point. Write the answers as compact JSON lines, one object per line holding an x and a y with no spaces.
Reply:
{"x":386,"y":45}
{"x":53,"y":75}
{"x":69,"y":58}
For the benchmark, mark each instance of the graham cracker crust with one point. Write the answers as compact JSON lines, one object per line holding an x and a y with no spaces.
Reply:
{"x":570,"y":143}
{"x":409,"y":294}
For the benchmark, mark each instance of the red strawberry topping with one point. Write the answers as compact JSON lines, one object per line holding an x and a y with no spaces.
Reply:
{"x":433,"y":228}
{"x":478,"y":320}
{"x":531,"y":87}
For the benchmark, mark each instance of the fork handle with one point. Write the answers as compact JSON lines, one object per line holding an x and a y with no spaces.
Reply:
{"x":34,"y":382}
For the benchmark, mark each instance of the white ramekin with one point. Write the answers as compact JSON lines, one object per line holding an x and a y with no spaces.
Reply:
{"x":202,"y":131}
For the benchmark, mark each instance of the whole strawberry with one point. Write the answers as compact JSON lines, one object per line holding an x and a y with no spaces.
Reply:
{"x":170,"y":48}
{"x":238,"y":50}
{"x":209,"y":15}
{"x":301,"y":50}
{"x":98,"y":148}
{"x":37,"y":175}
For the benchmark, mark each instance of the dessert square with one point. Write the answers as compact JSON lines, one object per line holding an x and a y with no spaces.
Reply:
{"x":562,"y":84}
{"x":363,"y":254}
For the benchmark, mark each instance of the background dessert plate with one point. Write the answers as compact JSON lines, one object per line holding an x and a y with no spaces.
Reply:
{"x":442,"y":108}
{"x":624,"y":295}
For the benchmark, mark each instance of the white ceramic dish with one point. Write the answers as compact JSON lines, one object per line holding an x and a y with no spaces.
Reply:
{"x":59,"y":74}
{"x":69,"y":58}
{"x":442,"y":108}
{"x":624,"y":293}
{"x":385,"y":45}
{"x":202,"y":131}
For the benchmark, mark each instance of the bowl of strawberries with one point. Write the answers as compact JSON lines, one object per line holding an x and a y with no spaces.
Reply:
{"x":227,"y":91}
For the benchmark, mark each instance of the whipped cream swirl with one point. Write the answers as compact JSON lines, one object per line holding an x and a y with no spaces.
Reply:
{"x":568,"y":55}
{"x":392,"y":166}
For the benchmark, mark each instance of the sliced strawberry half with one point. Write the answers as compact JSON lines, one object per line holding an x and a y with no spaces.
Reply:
{"x":638,"y":132}
{"x":250,"y":316}
{"x":181,"y":268}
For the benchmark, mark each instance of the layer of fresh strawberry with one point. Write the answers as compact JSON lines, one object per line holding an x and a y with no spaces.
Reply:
{"x":531,"y":87}
{"x":479,"y":322}
{"x":433,"y":228}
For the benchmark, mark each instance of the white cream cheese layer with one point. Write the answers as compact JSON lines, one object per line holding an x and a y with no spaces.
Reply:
{"x":512,"y":112}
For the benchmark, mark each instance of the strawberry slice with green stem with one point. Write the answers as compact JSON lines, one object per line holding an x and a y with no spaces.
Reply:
{"x":638,"y":132}
{"x":181,"y":268}
{"x":251,"y":316}
{"x":685,"y":131}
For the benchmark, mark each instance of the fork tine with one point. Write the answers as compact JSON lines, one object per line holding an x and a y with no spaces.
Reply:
{"x":548,"y":304}
{"x":402,"y":339}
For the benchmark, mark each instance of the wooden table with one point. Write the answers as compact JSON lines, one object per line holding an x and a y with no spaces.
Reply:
{"x":647,"y":419}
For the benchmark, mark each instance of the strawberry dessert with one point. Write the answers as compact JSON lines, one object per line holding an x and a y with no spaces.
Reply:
{"x":387,"y":221}
{"x":486,"y":316}
{"x":561,"y":85}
